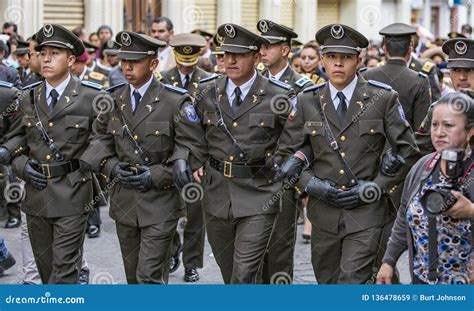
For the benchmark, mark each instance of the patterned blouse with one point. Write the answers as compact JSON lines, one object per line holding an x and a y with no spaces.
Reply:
{"x":454,"y":243}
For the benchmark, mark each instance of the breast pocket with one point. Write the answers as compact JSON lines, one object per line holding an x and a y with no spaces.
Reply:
{"x":30,"y":128}
{"x":77,"y":129}
{"x":372,"y":133}
{"x":261,"y":127}
{"x":115,"y":128}
{"x":315,"y":131}
{"x":211,"y":120}
{"x":157,"y":135}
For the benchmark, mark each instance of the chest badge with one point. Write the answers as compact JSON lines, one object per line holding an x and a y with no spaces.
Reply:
{"x":150,"y":108}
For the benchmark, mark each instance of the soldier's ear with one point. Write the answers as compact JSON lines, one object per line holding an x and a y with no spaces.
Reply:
{"x":71,"y":59}
{"x":154,"y":64}
{"x":256,"y":57}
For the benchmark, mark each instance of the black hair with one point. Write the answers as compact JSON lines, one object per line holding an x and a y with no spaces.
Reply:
{"x":103,"y":27}
{"x":161,"y":19}
{"x":461,"y":103}
{"x":10,"y":24}
{"x":398,"y":47}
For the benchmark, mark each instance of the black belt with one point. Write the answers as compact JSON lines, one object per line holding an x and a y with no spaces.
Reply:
{"x":59,"y":169}
{"x":240,"y":170}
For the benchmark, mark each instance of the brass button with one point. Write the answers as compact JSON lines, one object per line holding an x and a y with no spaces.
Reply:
{"x":135,"y":137}
{"x":157,"y":132}
{"x":269,"y":154}
{"x":341,"y":172}
{"x":77,"y":125}
{"x":146,"y":159}
{"x":313,"y":132}
{"x":208,"y":120}
{"x":29,"y":124}
{"x":113,"y":131}
{"x":372,"y":130}
{"x":235,"y":124}
{"x":353,"y":181}
{"x":343,"y":154}
{"x":343,"y":187}
{"x":231,"y":158}
{"x":83,"y":180}
{"x":343,"y":138}
{"x":136,"y":151}
{"x":262,"y":123}
{"x":48,"y":157}
{"x":50,"y":124}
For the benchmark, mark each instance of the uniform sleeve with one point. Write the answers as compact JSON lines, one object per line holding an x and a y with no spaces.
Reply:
{"x":189,"y":135}
{"x":402,"y":141}
{"x":422,"y":103}
{"x":14,"y":140}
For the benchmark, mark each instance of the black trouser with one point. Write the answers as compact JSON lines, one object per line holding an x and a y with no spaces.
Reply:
{"x":279,"y":260}
{"x":239,"y":245}
{"x":57,"y":247}
{"x":193,"y":237}
{"x":146,"y":251}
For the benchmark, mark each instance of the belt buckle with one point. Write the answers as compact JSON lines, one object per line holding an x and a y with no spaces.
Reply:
{"x":134,"y":170}
{"x":227,"y":169}
{"x":46,"y":172}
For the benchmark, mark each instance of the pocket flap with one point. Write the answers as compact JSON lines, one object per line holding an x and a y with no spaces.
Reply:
{"x":157,"y":128}
{"x":28,"y":121}
{"x":78,"y":177}
{"x":77,"y":122}
{"x":114,"y":127}
{"x":313,"y":128}
{"x":211,"y":117}
{"x":371,"y":127}
{"x":262,"y":120}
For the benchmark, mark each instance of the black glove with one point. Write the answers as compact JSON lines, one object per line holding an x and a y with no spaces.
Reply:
{"x":290,"y":171}
{"x":120,"y":169}
{"x":324,"y":190}
{"x":365,"y":192}
{"x":142,"y":181}
{"x":5,"y":156}
{"x":32,"y":175}
{"x":182,"y":174}
{"x":391,"y":163}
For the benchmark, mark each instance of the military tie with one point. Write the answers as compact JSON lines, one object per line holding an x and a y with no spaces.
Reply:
{"x":137,"y":97}
{"x":237,"y":100}
{"x":54,"y":99}
{"x":186,"y":82}
{"x":342,"y":108}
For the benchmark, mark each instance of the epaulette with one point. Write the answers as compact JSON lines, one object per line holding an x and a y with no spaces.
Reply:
{"x":115,"y":87}
{"x":302,"y":81}
{"x":6,"y":84}
{"x":32,"y":85}
{"x":92,"y":85}
{"x":362,"y":69}
{"x":176,"y":89}
{"x":280,"y":84}
{"x":314,"y":87}
{"x":209,"y":78}
{"x":380,"y":84}
{"x":421,"y":74}
{"x":427,"y":67}
{"x":96,"y":75}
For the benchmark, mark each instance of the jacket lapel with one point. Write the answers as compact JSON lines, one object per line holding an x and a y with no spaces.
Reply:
{"x":175,"y":78}
{"x":328,"y":107}
{"x":67,"y":98}
{"x":222,"y":98}
{"x":357,"y":104}
{"x":125,"y":104}
{"x":147,"y":103}
{"x":252,"y":98}
{"x":40,"y":99}
{"x":287,"y":76}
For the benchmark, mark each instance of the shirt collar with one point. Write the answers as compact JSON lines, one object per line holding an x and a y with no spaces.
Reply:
{"x":279,"y":74}
{"x":348,"y":91}
{"x":244,"y":88}
{"x":142,"y":90}
{"x":60,"y":88}
{"x":183,"y":76}
{"x":81,"y":76}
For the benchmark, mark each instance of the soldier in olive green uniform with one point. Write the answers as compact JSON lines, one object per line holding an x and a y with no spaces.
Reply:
{"x":187,"y":48}
{"x":460,"y":53}
{"x":413,"y":88}
{"x":346,"y":122}
{"x":243,"y":119}
{"x":55,"y":120}
{"x":8,"y":96}
{"x":149,"y":126}
{"x":279,"y":258}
